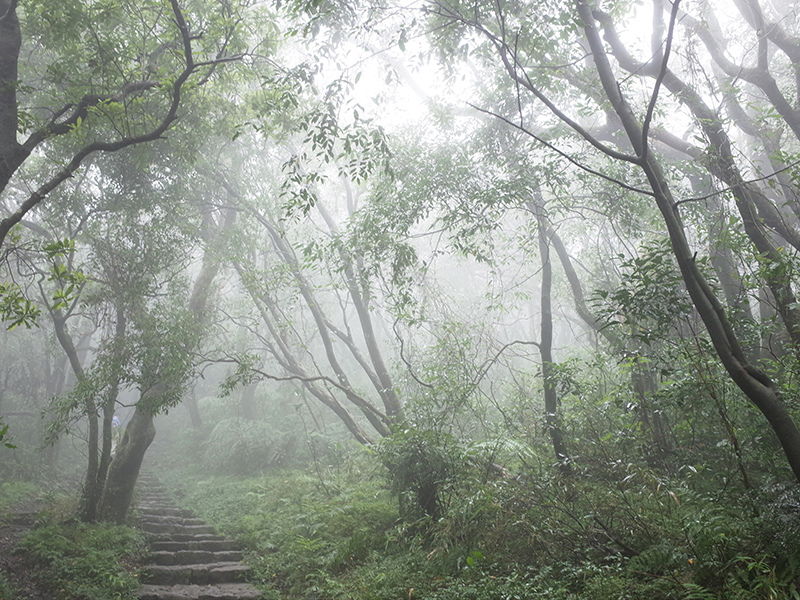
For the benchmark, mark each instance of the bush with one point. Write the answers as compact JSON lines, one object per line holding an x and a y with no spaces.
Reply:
{"x":421,"y":466}
{"x":86,"y":562}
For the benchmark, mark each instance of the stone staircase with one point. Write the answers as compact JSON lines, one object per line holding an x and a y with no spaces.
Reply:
{"x":187,"y":560}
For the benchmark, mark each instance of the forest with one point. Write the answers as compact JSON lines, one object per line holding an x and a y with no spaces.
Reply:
{"x":379,"y":300}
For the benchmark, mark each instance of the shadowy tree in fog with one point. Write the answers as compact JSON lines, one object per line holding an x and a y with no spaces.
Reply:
{"x":165,"y":358}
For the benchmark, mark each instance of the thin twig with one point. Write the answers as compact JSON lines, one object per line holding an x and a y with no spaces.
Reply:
{"x":731,"y":187}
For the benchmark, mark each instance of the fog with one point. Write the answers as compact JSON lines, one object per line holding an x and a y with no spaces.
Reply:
{"x":428,"y":300}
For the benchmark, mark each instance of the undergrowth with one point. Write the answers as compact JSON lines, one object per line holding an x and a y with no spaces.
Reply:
{"x":79,"y":561}
{"x":14,"y":492}
{"x":6,"y":589}
{"x":608,"y":533}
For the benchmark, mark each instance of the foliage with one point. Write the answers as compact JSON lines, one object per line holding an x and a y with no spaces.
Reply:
{"x":87,"y":562}
{"x":420,"y":466}
{"x":16,"y":308}
{"x":242,"y":446}
{"x":7,"y":591}
{"x":651,"y":300}
{"x":297,"y":527}
{"x":5,"y":439}
{"x":13,"y":492}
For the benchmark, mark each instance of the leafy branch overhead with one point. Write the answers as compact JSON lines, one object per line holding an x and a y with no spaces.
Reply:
{"x":139,"y":110}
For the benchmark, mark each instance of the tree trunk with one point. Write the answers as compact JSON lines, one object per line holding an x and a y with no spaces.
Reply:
{"x":195,"y":418}
{"x":110,"y":405}
{"x":552,"y":418}
{"x":755,"y":384}
{"x":90,"y":490}
{"x":10,"y":44}
{"x":359,"y":294}
{"x":124,"y":469}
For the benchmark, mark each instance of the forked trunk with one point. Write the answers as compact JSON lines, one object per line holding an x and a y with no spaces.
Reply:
{"x":124,"y":469}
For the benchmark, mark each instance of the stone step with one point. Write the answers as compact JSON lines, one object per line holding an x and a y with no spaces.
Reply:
{"x":193,"y":557}
{"x":185,"y":537}
{"x":187,"y":560}
{"x":201,"y":574}
{"x":165,"y":511}
{"x":227,"y":591}
{"x":176,"y":528}
{"x":220,"y":545}
{"x":171,"y":520}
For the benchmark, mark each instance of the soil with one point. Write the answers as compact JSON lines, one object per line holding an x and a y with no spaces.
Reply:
{"x":13,"y":566}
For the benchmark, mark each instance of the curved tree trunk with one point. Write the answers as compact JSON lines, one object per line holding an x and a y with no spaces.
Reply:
{"x":755,"y":384}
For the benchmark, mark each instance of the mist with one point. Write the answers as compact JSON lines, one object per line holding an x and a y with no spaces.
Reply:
{"x":380,"y":301}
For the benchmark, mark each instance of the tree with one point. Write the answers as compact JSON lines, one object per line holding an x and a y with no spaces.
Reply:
{"x":112,"y":84}
{"x":504,"y":27}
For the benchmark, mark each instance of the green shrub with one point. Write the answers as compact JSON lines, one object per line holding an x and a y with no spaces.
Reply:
{"x":86,"y":562}
{"x":6,"y":589}
{"x":421,"y":465}
{"x":242,"y":447}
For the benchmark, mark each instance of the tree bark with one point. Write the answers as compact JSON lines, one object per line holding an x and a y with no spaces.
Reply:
{"x":359,"y":294}
{"x":110,"y":404}
{"x":124,"y":472}
{"x":381,"y":422}
{"x":552,"y":417}
{"x":10,"y":44}
{"x":91,"y":492}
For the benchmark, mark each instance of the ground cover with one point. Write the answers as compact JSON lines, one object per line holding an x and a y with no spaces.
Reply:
{"x":46,"y":554}
{"x":342,"y":536}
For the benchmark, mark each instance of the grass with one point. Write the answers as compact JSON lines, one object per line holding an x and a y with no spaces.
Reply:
{"x":14,"y":492}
